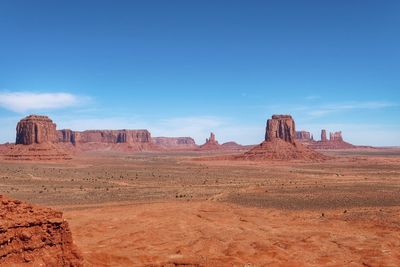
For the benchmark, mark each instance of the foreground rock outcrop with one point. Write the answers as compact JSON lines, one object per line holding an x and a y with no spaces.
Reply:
{"x":34,"y":236}
{"x":175,"y":143}
{"x":36,"y":139}
{"x":280,"y":143}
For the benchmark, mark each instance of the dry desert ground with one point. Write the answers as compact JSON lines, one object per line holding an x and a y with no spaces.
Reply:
{"x":172,"y":209}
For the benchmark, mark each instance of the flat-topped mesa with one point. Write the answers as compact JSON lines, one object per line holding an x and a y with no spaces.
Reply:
{"x":35,"y":129}
{"x":336,"y":137}
{"x":105,"y":136}
{"x":323,"y":136}
{"x":174,"y":142}
{"x":281,"y":127}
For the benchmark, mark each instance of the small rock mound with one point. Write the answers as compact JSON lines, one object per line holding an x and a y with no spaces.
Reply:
{"x":34,"y":236}
{"x":280,"y":143}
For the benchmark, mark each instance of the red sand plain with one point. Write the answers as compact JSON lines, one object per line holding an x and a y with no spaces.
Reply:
{"x":166,"y":209}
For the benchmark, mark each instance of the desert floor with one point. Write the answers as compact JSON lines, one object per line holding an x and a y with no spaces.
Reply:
{"x":171,"y":209}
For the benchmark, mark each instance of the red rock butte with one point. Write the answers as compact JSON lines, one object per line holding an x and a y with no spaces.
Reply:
{"x":280,"y":143}
{"x":282,"y":127}
{"x":35,"y":129}
{"x":34,"y":236}
{"x":211,"y":143}
{"x":335,"y":140}
{"x":36,"y":139}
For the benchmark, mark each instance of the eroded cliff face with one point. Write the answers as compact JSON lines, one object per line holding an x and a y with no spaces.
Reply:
{"x":34,"y":236}
{"x":104,"y":136}
{"x":281,"y":127}
{"x":36,"y":129}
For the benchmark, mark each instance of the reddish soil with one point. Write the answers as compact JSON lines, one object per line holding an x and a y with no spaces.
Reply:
{"x":164,"y":209}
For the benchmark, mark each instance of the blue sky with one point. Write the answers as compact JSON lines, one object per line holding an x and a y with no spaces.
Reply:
{"x":185,"y":68}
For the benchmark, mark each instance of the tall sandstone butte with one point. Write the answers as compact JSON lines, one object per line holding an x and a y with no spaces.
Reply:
{"x":280,"y":143}
{"x":35,"y":129}
{"x":36,"y":139}
{"x":282,"y":127}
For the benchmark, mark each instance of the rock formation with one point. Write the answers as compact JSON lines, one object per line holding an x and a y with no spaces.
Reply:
{"x":336,"y":136}
{"x":105,"y":140}
{"x":323,"y":136}
{"x":34,"y":236}
{"x":175,"y":143}
{"x":335,"y":141}
{"x":104,"y":136}
{"x":280,"y":127}
{"x":211,"y":143}
{"x":304,"y":136}
{"x":36,"y":129}
{"x":280,"y":143}
{"x":36,"y":139}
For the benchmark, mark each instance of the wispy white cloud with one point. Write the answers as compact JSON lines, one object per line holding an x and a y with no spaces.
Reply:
{"x":32,"y":101}
{"x":322,"y":110}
